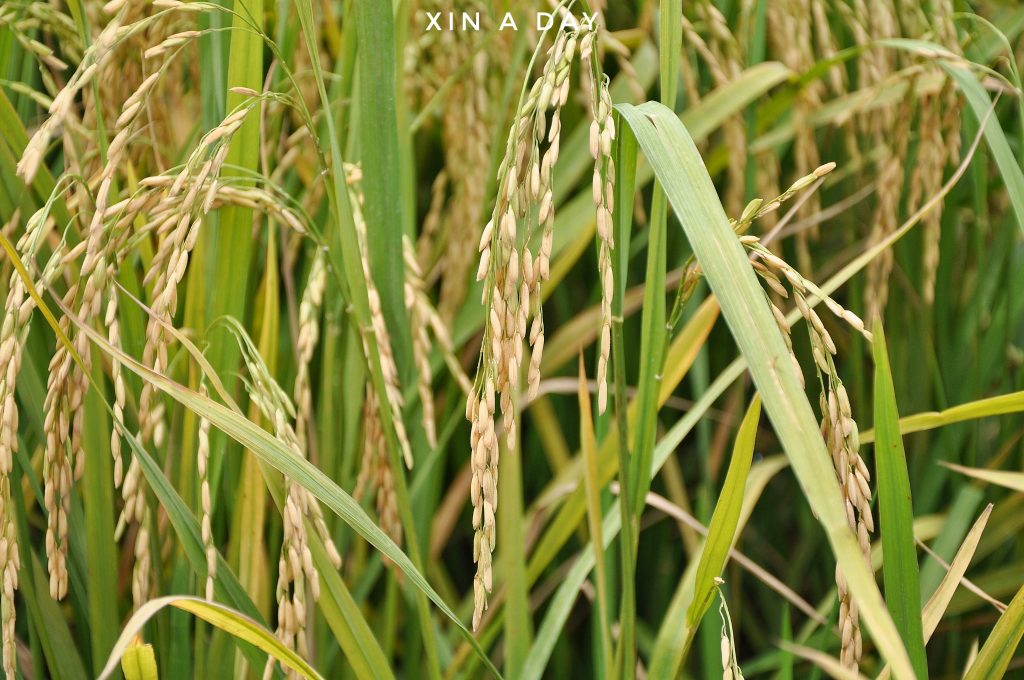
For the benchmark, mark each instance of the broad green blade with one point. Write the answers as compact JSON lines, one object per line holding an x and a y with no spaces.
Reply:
{"x":689,"y":188}
{"x":378,"y":137}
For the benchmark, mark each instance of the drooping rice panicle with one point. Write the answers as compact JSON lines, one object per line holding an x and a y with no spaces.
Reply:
{"x":838,"y":427}
{"x":602,"y":133}
{"x":414,"y":307}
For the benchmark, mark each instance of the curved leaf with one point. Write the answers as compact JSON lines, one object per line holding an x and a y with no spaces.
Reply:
{"x":230,"y":621}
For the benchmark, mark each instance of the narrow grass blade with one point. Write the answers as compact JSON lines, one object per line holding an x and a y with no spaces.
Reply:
{"x":233,"y":622}
{"x":725,"y":519}
{"x":974,"y":410}
{"x":940,"y":599}
{"x":937,"y":603}
{"x":512,"y":557}
{"x":823,"y":661}
{"x":896,"y":512}
{"x":679,"y":168}
{"x":1001,"y":644}
{"x":1009,"y":480}
{"x":98,"y":500}
{"x":588,"y":443}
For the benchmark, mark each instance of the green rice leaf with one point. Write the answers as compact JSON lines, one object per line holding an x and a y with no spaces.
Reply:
{"x":896,"y":512}
{"x":235,"y":623}
{"x":1001,"y":644}
{"x":725,"y":519}
{"x":679,"y":168}
{"x":940,"y":599}
{"x":1009,"y":480}
{"x":378,"y":138}
{"x":139,"y":662}
{"x":588,"y":443}
{"x":974,"y":410}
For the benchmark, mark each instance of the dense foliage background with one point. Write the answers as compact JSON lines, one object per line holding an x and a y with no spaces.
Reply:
{"x":258,"y":256}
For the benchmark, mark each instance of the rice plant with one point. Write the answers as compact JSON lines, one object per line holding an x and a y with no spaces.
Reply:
{"x":459,"y":339}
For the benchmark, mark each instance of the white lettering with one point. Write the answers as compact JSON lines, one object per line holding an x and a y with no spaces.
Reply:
{"x":568,"y":21}
{"x":433,"y":18}
{"x":541,"y":17}
{"x":589,"y":21}
{"x":473,"y":21}
{"x":508,"y":22}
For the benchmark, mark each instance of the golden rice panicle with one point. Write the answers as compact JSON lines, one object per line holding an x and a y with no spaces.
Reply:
{"x":721,"y":52}
{"x":393,"y":399}
{"x":57,"y":466}
{"x":113,"y":325}
{"x":206,"y":525}
{"x":142,"y":568}
{"x":273,"y":403}
{"x":373,"y":439}
{"x":294,"y":567}
{"x":727,"y":642}
{"x":939,"y":132}
{"x":465,"y":131}
{"x":97,"y":269}
{"x":310,"y":308}
{"x":841,"y":435}
{"x":61,"y":107}
{"x":418,"y":324}
{"x":550,"y":90}
{"x":512,"y":279}
{"x":179,"y":233}
{"x":10,"y":564}
{"x":790,"y":32}
{"x":375,"y":475}
{"x":483,"y":491}
{"x":838,"y":427}
{"x":602,"y":133}
{"x":16,"y":316}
